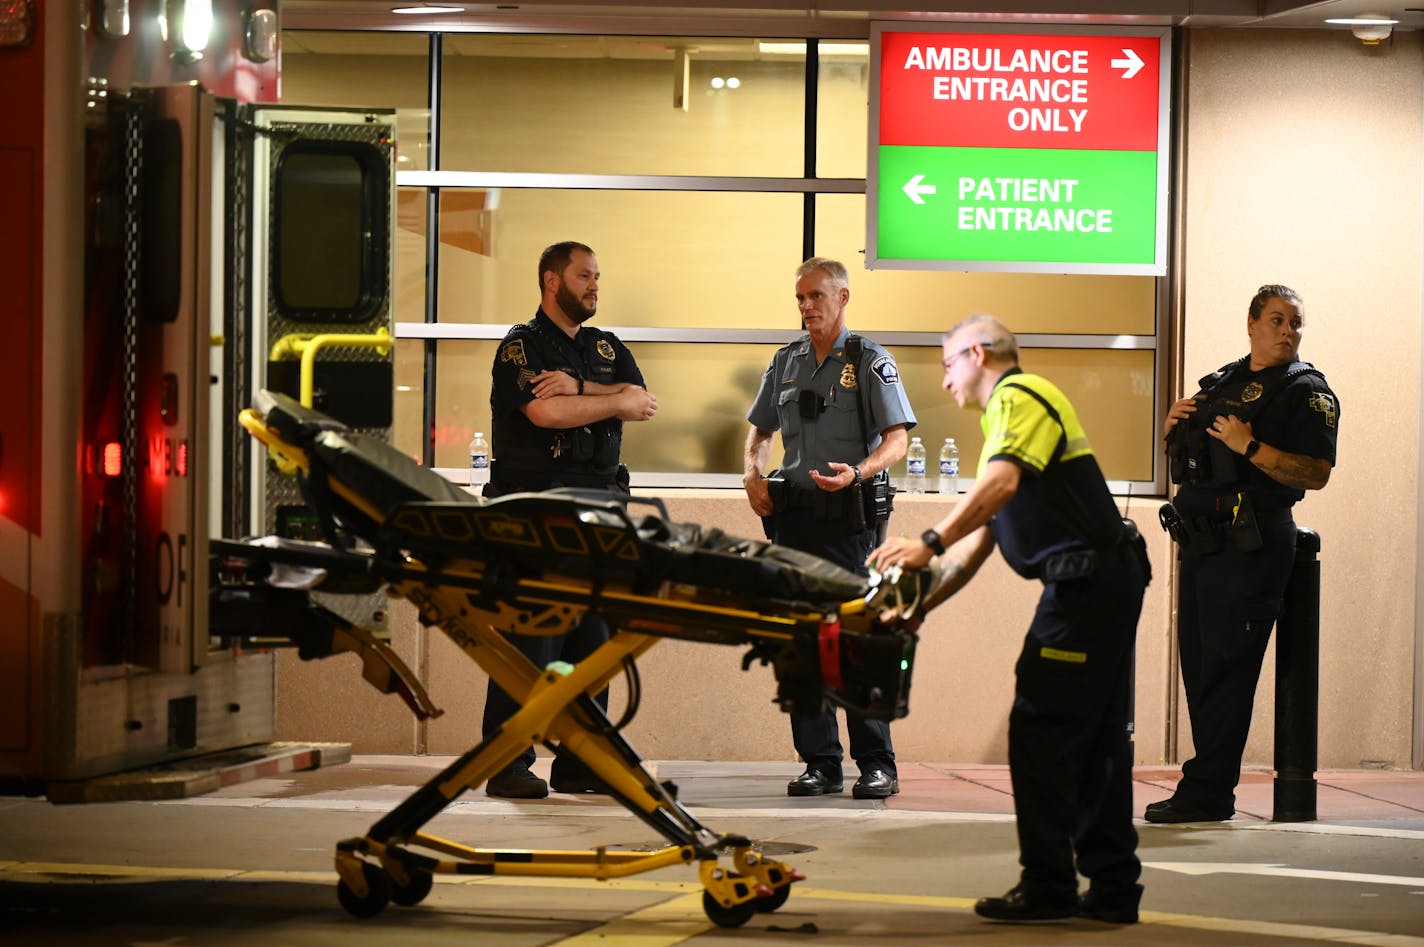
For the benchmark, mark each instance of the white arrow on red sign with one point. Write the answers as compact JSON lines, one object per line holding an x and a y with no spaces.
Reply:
{"x":914,"y":188}
{"x":1132,"y":63}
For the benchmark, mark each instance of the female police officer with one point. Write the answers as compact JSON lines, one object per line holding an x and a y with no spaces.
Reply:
{"x":1246,"y":447}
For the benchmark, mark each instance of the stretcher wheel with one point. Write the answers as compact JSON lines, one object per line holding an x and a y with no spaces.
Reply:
{"x":769,"y":903}
{"x":411,"y":894}
{"x":378,"y":893}
{"x":734,"y":916}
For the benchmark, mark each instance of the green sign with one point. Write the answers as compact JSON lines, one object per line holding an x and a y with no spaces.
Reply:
{"x":988,"y":204}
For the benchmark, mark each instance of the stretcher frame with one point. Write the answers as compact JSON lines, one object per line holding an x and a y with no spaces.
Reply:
{"x":465,"y":564}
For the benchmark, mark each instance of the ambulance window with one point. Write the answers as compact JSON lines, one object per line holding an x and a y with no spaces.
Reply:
{"x":329,"y":245}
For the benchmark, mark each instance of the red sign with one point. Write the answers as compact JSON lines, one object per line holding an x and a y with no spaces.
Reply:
{"x":1019,"y":90}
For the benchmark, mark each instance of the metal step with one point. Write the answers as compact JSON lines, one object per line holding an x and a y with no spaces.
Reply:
{"x":197,"y":775}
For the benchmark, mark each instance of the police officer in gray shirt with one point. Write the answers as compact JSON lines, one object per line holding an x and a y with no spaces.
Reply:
{"x":838,"y":402}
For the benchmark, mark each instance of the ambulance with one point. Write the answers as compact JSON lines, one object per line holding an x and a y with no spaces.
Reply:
{"x":174,"y":241}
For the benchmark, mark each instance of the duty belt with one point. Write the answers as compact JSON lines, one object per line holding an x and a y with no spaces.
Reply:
{"x":1208,"y":533}
{"x":1081,"y":563}
{"x":827,"y":505}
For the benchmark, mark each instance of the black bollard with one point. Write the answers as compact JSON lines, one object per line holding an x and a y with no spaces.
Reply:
{"x":1298,"y":685}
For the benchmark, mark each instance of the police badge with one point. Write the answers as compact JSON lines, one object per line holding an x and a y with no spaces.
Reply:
{"x":848,"y":381}
{"x":605,"y":349}
{"x":1252,"y":391}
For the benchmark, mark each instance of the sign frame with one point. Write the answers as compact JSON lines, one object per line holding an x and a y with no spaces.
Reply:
{"x":1156,"y":267}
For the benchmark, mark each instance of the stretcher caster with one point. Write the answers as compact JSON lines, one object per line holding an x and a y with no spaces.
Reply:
{"x":768,"y":903}
{"x":413,"y":890}
{"x":377,"y":896}
{"x":734,"y":916}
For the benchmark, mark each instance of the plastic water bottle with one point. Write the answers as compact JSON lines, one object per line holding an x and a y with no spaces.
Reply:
{"x":915,"y":467}
{"x":479,"y":460}
{"x":949,"y":467}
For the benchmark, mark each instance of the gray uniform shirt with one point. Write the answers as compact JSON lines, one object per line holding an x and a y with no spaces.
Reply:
{"x":834,"y":433}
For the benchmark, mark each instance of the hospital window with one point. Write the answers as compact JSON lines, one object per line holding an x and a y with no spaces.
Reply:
{"x":698,"y":215}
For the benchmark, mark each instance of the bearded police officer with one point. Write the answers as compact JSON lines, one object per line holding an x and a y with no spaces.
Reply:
{"x":560,"y":393}
{"x":1041,"y":497}
{"x":1244,"y":449}
{"x":842,"y":412}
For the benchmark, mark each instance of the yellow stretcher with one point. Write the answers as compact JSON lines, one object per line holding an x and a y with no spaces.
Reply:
{"x":533,"y":564}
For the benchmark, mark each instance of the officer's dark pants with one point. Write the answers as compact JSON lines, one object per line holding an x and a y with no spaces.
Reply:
{"x":1069,"y":756}
{"x":581,"y":641}
{"x":1228,"y":602}
{"x":816,"y":736}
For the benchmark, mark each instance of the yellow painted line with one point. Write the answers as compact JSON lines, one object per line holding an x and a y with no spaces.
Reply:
{"x":621,"y":884}
{"x":680,"y":918}
{"x":674,"y":921}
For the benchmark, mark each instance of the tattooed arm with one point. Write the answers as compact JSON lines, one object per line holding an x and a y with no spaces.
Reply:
{"x":1298,"y":471}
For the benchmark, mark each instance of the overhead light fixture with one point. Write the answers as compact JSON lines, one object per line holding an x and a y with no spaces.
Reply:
{"x":259,"y":41}
{"x":780,"y":48}
{"x":429,"y":9}
{"x":188,"y":24}
{"x":114,"y":18}
{"x":1369,"y":28}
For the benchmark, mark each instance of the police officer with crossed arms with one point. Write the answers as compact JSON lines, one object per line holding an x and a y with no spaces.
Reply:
{"x":559,"y":394}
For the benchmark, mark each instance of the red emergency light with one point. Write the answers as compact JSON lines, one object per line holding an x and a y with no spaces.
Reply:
{"x":113,"y":459}
{"x":180,"y":465}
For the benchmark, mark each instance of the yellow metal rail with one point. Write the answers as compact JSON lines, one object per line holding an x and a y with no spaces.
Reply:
{"x":305,"y":345}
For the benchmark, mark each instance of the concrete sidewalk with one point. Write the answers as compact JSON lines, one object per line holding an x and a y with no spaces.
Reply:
{"x":1356,"y":796}
{"x":252,"y":863}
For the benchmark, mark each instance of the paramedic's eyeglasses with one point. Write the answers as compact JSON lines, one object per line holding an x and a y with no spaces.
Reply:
{"x":949,"y":362}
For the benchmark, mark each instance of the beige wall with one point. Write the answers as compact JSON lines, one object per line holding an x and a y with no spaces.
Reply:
{"x":1304,"y":167}
{"x":1305,"y":154}
{"x":699,"y":704}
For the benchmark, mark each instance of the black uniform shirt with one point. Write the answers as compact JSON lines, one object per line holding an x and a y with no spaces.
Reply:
{"x":528,"y":456}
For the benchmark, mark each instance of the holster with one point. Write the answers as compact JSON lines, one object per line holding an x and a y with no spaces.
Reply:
{"x":1197,"y":535}
{"x":879,"y":498}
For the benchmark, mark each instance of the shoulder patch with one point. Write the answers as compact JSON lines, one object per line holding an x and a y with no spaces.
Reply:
{"x":884,"y":369}
{"x":605,"y":348}
{"x":513,"y":351}
{"x":1325,"y":404}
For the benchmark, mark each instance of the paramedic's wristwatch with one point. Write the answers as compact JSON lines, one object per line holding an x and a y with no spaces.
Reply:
{"x":1251,"y":449}
{"x":931,"y":539}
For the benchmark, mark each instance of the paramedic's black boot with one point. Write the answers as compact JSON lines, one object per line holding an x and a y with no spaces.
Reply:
{"x":1115,"y":906}
{"x":517,"y":783}
{"x":1016,"y":908}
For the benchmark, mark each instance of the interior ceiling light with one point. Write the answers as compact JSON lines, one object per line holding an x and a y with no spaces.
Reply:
{"x":825,"y":49}
{"x":1362,"y":21}
{"x":427,"y":10}
{"x":1369,"y":28}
